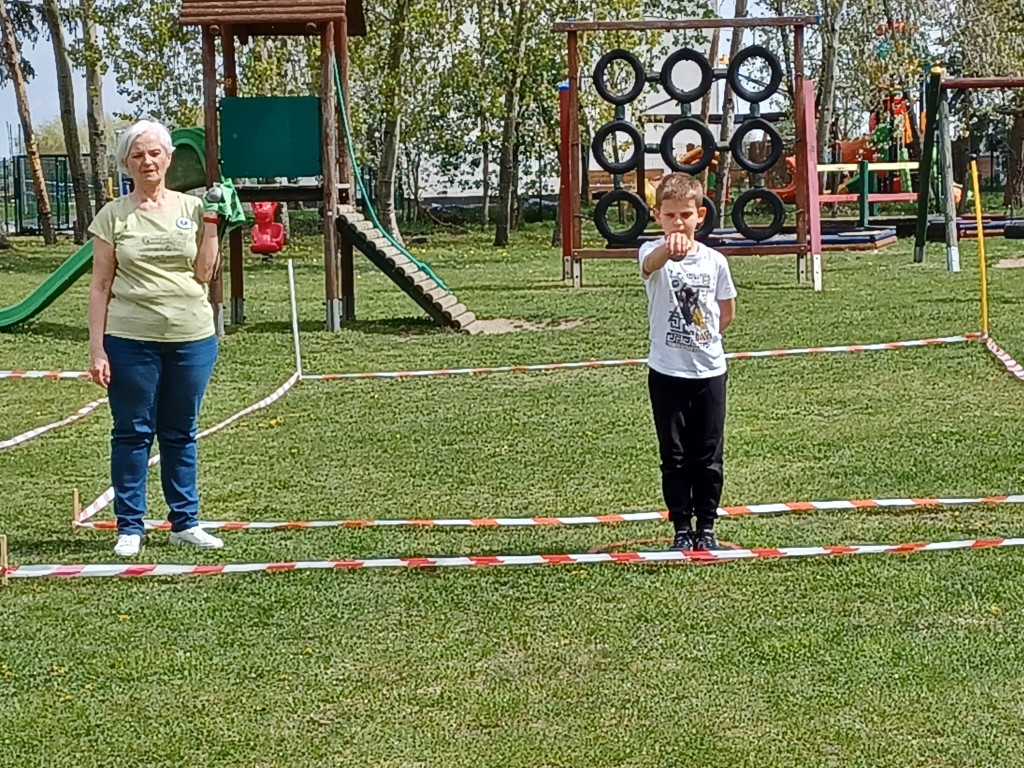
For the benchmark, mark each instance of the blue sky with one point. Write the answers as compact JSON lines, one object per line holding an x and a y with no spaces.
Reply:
{"x":42,"y":94}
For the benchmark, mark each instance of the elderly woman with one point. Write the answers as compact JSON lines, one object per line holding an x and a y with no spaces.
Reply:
{"x":151,"y":334}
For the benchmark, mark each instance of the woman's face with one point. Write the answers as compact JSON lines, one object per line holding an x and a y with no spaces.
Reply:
{"x":148,"y":161}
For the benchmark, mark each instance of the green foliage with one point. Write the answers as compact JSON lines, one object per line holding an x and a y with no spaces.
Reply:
{"x":157,"y":62}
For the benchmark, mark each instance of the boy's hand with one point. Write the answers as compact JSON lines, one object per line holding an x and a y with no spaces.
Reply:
{"x":678,"y":245}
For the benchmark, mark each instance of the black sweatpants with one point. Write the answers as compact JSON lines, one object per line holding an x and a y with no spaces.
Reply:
{"x":689,"y":418}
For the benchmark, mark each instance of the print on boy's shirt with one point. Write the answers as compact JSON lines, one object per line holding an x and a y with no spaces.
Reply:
{"x":687,"y":328}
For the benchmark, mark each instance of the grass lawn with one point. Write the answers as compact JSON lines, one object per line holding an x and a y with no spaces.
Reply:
{"x":869,"y":661}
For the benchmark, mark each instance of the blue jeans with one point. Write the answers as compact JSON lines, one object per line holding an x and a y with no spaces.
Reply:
{"x":155,"y":390}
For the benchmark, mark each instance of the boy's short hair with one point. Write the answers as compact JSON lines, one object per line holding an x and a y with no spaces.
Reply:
{"x":679,"y":186}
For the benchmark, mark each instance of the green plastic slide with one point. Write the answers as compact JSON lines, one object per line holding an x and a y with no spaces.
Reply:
{"x":43,"y":296}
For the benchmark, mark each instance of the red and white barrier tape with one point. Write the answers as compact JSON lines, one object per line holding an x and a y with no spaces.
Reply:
{"x":638,"y":360}
{"x":778,"y":508}
{"x":1004,"y":357}
{"x":81,"y":413}
{"x":45,"y":375}
{"x":108,"y":495}
{"x":558,"y":366}
{"x":587,"y":558}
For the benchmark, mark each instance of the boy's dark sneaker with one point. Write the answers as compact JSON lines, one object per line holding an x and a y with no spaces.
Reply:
{"x":705,"y":540}
{"x":682,"y":542}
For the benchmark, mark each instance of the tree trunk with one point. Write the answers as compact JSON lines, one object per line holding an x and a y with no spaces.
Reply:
{"x":1013,"y":197}
{"x":517,"y":203}
{"x":286,"y":221}
{"x":728,"y":110}
{"x":392,"y":123}
{"x":485,"y":215}
{"x":830,"y":32}
{"x":506,"y":177}
{"x":94,"y":106}
{"x":705,"y":104}
{"x":12,"y":57}
{"x":69,"y":119}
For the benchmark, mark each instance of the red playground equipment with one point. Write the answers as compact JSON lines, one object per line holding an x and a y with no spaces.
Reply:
{"x":267,"y":235}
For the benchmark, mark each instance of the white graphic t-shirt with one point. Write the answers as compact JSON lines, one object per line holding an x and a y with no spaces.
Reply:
{"x":683,"y":312}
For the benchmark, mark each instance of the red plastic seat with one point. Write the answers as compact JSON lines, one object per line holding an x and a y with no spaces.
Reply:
{"x":267,"y":235}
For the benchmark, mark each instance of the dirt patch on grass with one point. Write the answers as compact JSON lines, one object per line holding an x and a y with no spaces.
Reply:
{"x":1010,"y":263}
{"x":511,"y":325}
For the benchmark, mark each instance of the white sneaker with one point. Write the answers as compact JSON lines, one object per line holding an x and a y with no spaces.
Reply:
{"x":128,"y":545}
{"x":196,"y":537}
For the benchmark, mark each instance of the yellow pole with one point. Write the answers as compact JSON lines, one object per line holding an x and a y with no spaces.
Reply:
{"x":4,"y":563}
{"x":982,"y":271}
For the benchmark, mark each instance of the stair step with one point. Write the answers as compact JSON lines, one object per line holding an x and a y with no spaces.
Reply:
{"x":361,"y":226}
{"x":446,"y":302}
{"x":465,"y":320}
{"x":454,"y":311}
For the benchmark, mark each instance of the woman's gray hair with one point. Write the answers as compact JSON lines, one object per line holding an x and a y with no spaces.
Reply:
{"x":128,"y":137}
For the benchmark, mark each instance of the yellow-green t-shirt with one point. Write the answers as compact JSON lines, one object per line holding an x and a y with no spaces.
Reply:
{"x":155,"y":296}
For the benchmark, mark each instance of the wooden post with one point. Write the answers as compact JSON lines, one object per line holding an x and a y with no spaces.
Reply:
{"x":345,"y":163}
{"x":565,"y":184}
{"x":329,"y":169}
{"x":924,"y":171}
{"x":808,"y":159}
{"x":802,"y":260}
{"x":236,"y":266}
{"x":212,"y":160}
{"x":76,"y":505}
{"x":946,"y":174}
{"x":345,"y":173}
{"x":4,"y":563}
{"x":575,"y":158}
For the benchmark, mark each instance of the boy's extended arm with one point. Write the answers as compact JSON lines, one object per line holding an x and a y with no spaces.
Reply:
{"x":656,"y":259}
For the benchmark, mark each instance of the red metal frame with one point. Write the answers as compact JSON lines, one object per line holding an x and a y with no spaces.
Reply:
{"x":808,"y":219}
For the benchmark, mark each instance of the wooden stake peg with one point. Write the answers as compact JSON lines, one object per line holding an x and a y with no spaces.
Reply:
{"x":76,"y":505}
{"x":4,"y":564}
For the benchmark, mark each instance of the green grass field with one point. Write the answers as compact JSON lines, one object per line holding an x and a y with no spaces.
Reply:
{"x":869,"y":661}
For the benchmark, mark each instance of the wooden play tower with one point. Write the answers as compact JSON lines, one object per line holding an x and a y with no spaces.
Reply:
{"x":274,"y":137}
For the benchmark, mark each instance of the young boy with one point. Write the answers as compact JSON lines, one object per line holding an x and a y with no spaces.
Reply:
{"x":691,"y":300}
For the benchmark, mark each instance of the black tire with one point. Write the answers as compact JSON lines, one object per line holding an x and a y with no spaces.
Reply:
{"x":774,"y":79}
{"x":707,"y":75}
{"x":639,"y":77}
{"x":736,"y":145}
{"x":710,"y":223}
{"x":623,"y":166}
{"x":759,"y":233}
{"x":643,"y":216}
{"x":1014,"y":230}
{"x":707,"y":141}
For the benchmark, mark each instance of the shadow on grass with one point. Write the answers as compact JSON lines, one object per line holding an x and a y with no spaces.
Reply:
{"x":399,"y":326}
{"x":50,"y":330}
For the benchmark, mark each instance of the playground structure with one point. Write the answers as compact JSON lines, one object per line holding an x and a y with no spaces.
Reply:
{"x":938,"y":131}
{"x":871,"y":179}
{"x":308,"y":140}
{"x":806,"y":238}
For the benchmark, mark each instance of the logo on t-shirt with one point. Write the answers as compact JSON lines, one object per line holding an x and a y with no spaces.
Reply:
{"x":687,"y":326}
{"x":184,"y":223}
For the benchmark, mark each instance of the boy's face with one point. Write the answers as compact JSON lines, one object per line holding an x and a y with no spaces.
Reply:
{"x":680,"y":215}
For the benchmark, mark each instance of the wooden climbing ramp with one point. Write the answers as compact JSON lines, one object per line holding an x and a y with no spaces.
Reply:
{"x":441,"y":304}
